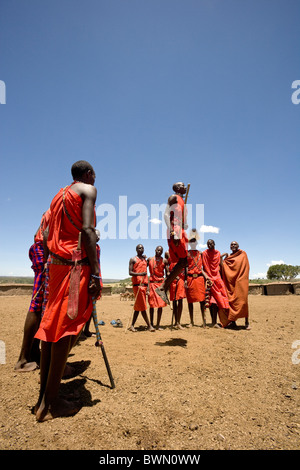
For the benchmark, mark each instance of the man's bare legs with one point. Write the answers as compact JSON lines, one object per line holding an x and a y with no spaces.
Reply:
{"x":214,"y":313}
{"x":177,"y":311}
{"x":202,"y":308}
{"x":29,"y":356}
{"x":191,"y":312}
{"x":53,"y":361}
{"x":159,"y":313}
{"x":145,"y":317}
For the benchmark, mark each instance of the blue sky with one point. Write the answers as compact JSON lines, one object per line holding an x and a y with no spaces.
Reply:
{"x":152,"y":92}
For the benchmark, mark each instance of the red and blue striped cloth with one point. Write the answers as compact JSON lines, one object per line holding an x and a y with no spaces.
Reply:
{"x":36,"y":255}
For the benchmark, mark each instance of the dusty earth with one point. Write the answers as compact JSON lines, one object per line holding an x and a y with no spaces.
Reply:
{"x":195,"y":389}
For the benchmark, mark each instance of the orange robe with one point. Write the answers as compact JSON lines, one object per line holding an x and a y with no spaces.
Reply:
{"x":211,"y":263}
{"x":195,"y":291}
{"x":177,"y":248}
{"x":236,"y":278}
{"x":43,"y":225}
{"x":177,"y":288}
{"x":62,"y":240}
{"x":140,"y":284}
{"x":157,"y":270}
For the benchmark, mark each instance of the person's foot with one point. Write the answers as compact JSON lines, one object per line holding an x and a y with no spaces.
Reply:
{"x":61,"y":408}
{"x":87,"y":333}
{"x":231,"y":326}
{"x":131,"y":328}
{"x":178,"y":326}
{"x":150,"y":328}
{"x":26,"y":366}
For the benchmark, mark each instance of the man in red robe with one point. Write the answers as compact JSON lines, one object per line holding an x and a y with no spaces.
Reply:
{"x":175,"y":218}
{"x":157,"y":268}
{"x":235,"y":270}
{"x":73,"y":281}
{"x":195,"y":278}
{"x":139,"y":277}
{"x":211,"y":264}
{"x":29,"y":358}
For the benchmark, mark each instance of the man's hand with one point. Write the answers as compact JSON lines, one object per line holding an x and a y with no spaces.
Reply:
{"x":95,"y":287}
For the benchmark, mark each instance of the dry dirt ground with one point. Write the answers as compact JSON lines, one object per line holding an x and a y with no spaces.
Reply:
{"x":195,"y":389}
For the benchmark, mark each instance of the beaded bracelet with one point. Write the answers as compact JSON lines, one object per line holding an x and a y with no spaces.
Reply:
{"x":96,"y":277}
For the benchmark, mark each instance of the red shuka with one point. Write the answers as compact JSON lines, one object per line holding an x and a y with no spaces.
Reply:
{"x":195,"y":291}
{"x":62,"y":240}
{"x":236,"y":279}
{"x":177,"y":248}
{"x":139,"y":284}
{"x":177,"y":288}
{"x":157,"y":270}
{"x":211,"y":264}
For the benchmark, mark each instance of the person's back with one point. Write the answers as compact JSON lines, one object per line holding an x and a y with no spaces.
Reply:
{"x":73,"y":281}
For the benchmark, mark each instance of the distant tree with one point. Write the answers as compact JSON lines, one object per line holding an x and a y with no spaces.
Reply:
{"x":284,"y":272}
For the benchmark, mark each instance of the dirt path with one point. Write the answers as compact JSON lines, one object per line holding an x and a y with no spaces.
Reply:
{"x":191,"y":389}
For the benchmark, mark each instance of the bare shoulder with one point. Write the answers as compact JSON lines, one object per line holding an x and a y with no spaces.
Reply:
{"x":85,"y":191}
{"x":172,"y":199}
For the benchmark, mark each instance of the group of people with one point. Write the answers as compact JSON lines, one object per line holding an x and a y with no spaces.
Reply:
{"x":66,"y":262}
{"x":217,"y":282}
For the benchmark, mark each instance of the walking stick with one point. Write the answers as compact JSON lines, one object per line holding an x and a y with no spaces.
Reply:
{"x":187,"y":192}
{"x":99,"y":343}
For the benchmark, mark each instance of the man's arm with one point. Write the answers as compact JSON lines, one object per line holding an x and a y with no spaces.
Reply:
{"x":45,"y":239}
{"x":89,"y":238}
{"x":130,"y":270}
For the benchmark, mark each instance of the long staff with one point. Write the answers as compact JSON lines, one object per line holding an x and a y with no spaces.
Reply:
{"x":187,"y":193}
{"x":99,"y":343}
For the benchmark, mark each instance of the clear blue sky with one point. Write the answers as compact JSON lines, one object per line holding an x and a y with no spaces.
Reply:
{"x":152,"y":92}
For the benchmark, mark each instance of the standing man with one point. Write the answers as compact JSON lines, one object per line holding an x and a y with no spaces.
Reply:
{"x":235,"y":269}
{"x":195,"y":275}
{"x":139,"y":277}
{"x":73,"y":281}
{"x":158,"y":268}
{"x":218,"y":300}
{"x":175,"y":216}
{"x":29,"y":358}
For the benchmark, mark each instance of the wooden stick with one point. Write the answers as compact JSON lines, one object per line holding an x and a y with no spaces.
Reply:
{"x":187,"y":193}
{"x":100,"y":343}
